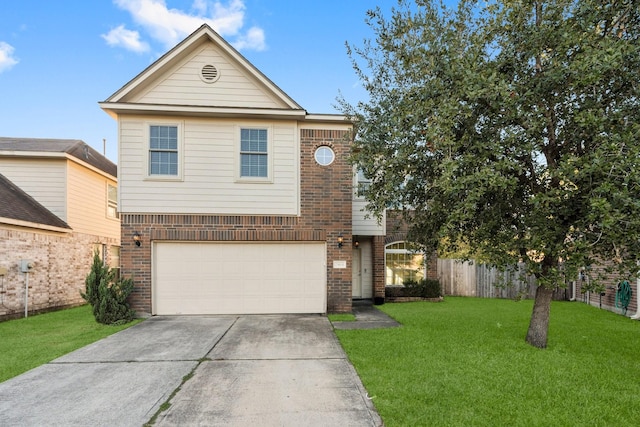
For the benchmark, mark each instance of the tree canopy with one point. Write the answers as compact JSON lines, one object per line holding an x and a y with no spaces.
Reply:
{"x":508,"y":127}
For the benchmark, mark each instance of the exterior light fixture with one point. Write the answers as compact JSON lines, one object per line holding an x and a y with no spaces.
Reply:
{"x":340,"y":240}
{"x":136,"y":238}
{"x":356,"y":244}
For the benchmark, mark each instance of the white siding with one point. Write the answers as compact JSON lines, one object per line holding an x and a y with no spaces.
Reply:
{"x":363,"y":225}
{"x":210,"y":164}
{"x":182,"y":85}
{"x":42,"y":179}
{"x":87,"y":200}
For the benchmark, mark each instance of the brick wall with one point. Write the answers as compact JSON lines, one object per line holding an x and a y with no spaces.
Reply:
{"x":608,"y":300}
{"x":325,"y":205}
{"x":397,"y":230}
{"x":61,"y":263}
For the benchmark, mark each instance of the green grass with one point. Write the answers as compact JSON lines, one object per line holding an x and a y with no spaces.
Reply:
{"x":464,"y":362}
{"x":341,"y":317}
{"x":31,"y":342}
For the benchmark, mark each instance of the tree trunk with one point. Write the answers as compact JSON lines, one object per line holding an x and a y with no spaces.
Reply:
{"x":539,"y":324}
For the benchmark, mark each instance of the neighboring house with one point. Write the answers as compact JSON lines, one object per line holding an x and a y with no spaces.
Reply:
{"x":58,"y":204}
{"x":233,"y":198}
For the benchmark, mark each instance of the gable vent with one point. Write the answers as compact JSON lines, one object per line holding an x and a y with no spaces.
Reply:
{"x":209,"y":74}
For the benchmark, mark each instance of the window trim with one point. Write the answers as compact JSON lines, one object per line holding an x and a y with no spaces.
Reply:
{"x":147,"y":153}
{"x":318,"y":150}
{"x":112,"y":204}
{"x":402,"y":251}
{"x":362,"y":184}
{"x":254,"y":179}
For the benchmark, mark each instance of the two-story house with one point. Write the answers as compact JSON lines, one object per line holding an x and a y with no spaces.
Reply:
{"x":58,"y":205}
{"x":233,"y":198}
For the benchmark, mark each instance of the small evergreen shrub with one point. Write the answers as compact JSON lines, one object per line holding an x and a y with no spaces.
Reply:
{"x":108,"y":295}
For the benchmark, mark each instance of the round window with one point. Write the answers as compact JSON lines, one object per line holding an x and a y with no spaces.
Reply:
{"x":324,"y":155}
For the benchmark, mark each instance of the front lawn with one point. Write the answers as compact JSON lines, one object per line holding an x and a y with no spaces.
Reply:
{"x":27,"y":343}
{"x":464,"y":362}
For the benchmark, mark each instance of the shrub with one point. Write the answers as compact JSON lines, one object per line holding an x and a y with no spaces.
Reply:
{"x":425,"y":288}
{"x":107,"y":295}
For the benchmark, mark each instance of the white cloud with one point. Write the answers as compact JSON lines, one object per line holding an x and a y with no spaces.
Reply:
{"x":7,"y":60}
{"x":169,"y":26}
{"x":253,"y":39}
{"x":128,"y":39}
{"x":200,"y":6}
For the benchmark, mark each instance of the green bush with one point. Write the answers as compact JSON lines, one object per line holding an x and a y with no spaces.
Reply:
{"x":108,"y":295}
{"x":425,"y":288}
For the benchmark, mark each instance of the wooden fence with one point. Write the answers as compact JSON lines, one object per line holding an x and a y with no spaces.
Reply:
{"x":466,"y":278}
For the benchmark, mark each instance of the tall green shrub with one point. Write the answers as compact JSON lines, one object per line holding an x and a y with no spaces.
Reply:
{"x":108,"y":296}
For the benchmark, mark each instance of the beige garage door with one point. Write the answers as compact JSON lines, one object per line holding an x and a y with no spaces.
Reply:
{"x":239,"y":278}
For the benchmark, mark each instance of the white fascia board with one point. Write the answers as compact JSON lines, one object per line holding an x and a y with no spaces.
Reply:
{"x":27,"y":224}
{"x":199,"y":111}
{"x":327,"y":118}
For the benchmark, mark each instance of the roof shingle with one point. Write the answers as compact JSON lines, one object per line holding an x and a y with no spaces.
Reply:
{"x":18,"y":205}
{"x":74,"y":147}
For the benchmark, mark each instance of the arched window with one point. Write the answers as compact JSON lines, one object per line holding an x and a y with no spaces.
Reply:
{"x":402,"y":263}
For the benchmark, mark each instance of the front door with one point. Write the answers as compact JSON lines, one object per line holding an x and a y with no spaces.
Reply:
{"x":356,"y":274}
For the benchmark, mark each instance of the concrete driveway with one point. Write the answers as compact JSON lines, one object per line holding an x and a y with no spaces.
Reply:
{"x":280,"y":370}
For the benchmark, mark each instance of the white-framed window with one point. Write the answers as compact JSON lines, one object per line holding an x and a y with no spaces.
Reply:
{"x":402,"y":263}
{"x":114,"y":259}
{"x":112,"y":202}
{"x":102,"y":251}
{"x":164,"y":151}
{"x":324,"y":155}
{"x":362,"y":183}
{"x":254,"y":149}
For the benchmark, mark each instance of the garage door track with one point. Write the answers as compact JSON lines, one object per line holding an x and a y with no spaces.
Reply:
{"x":276,"y":370}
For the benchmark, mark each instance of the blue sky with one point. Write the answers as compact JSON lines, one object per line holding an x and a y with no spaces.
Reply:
{"x":58,"y":59}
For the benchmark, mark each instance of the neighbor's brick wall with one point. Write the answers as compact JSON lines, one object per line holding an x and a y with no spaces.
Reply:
{"x":325,"y":213}
{"x":61,"y":263}
{"x":609,"y":299}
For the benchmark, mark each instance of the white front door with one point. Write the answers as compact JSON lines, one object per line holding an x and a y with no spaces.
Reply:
{"x":356,"y":274}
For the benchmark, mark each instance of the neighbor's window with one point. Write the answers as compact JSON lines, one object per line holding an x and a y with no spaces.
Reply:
{"x":163,"y":150}
{"x":402,"y":264}
{"x":114,"y":260}
{"x":253,"y":153}
{"x":112,"y":201}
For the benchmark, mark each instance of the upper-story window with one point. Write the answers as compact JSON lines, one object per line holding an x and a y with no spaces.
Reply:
{"x":163,"y":151}
{"x":112,"y":201}
{"x":254,"y":155}
{"x":363,"y":183}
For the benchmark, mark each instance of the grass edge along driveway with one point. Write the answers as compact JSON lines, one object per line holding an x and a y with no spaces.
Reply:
{"x":33,"y":341}
{"x":464,"y":362}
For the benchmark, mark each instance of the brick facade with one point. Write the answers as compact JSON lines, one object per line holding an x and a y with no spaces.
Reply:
{"x":397,"y":230}
{"x":325,"y":213}
{"x":61,"y":263}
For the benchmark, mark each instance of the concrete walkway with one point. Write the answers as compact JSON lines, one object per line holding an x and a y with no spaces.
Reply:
{"x":216,"y":370}
{"x":367,"y":317}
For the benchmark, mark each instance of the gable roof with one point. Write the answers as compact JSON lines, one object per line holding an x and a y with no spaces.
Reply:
{"x":18,"y":208}
{"x":72,"y":147}
{"x":127,"y":98}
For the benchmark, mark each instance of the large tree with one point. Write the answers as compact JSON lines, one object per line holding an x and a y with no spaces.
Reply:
{"x":510,"y":128}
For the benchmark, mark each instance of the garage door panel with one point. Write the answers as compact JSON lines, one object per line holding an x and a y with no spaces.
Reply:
{"x":239,"y":278}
